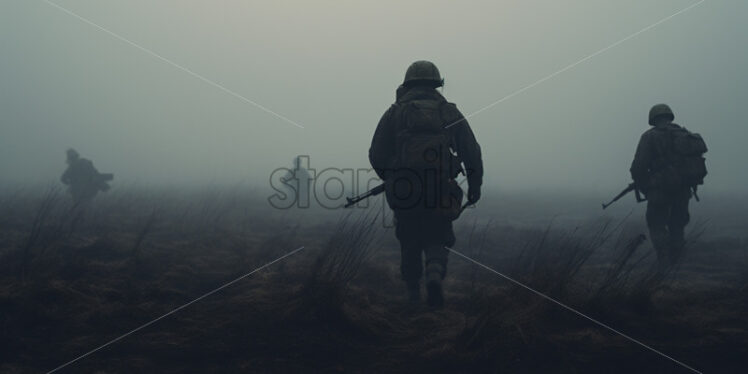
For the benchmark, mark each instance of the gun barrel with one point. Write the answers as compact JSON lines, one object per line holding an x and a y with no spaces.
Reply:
{"x":106,"y":176}
{"x":373,"y":192}
{"x":629,"y":188}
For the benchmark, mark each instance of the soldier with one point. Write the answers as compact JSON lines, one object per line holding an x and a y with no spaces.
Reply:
{"x":82,"y":178}
{"x":297,"y":180}
{"x":667,"y":167}
{"x":417,"y":149}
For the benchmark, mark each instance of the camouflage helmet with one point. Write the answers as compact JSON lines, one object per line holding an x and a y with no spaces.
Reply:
{"x":660,"y":110}
{"x":423,"y":72}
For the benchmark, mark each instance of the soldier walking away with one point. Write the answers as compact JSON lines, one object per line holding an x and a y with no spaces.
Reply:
{"x":668,"y":167}
{"x":418,"y":148}
{"x":82,"y":178}
{"x":297,"y":181}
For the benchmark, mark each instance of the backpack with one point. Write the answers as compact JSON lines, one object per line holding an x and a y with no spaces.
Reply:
{"x":424,"y":161}
{"x":684,"y":156}
{"x":421,"y":142}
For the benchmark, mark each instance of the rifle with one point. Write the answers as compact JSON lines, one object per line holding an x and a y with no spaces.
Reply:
{"x":372,"y":192}
{"x":629,"y":188}
{"x":101,"y":181}
{"x":105,"y":177}
{"x":457,"y":165}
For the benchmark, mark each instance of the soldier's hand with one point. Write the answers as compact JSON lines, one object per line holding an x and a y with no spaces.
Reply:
{"x":473,"y":194}
{"x":642,"y":187}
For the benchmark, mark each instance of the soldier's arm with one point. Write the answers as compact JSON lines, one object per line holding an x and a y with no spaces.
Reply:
{"x":65,"y":178}
{"x":642,"y":160}
{"x":467,"y":147}
{"x":382,"y":148}
{"x":92,"y":168}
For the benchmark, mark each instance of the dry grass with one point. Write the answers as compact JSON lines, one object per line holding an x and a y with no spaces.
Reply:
{"x":72,"y":279}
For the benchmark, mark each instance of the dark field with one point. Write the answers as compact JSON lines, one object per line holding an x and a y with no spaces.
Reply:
{"x":71,"y":280}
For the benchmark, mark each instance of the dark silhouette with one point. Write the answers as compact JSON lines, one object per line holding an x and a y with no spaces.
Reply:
{"x":82,"y":178}
{"x":667,"y":168}
{"x":297,"y":181}
{"x":418,"y":149}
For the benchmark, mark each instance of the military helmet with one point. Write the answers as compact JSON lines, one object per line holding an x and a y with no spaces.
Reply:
{"x":658,"y":111}
{"x":423,"y":72}
{"x":72,"y":154}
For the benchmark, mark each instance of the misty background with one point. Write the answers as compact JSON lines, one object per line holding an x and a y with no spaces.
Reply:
{"x":333,"y":68}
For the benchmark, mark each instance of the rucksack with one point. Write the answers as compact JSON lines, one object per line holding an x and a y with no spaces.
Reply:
{"x":685,"y":156}
{"x":421,"y":141}
{"x":424,"y":162}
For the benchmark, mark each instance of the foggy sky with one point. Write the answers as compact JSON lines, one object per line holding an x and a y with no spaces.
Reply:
{"x":333,"y":66}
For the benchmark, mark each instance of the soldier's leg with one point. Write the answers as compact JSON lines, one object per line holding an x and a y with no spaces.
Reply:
{"x":435,"y":252}
{"x":411,"y":269}
{"x":436,"y":268}
{"x":411,"y":262}
{"x":76,"y":194}
{"x":657,"y":219}
{"x":679,"y":218}
{"x":436,"y":260}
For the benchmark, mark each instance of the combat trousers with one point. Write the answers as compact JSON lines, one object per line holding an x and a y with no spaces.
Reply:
{"x":667,"y":217}
{"x":83,"y":195}
{"x":423,"y":235}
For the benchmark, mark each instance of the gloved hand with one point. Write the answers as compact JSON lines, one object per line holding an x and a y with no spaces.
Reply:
{"x":642,"y":186}
{"x":473,"y":194}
